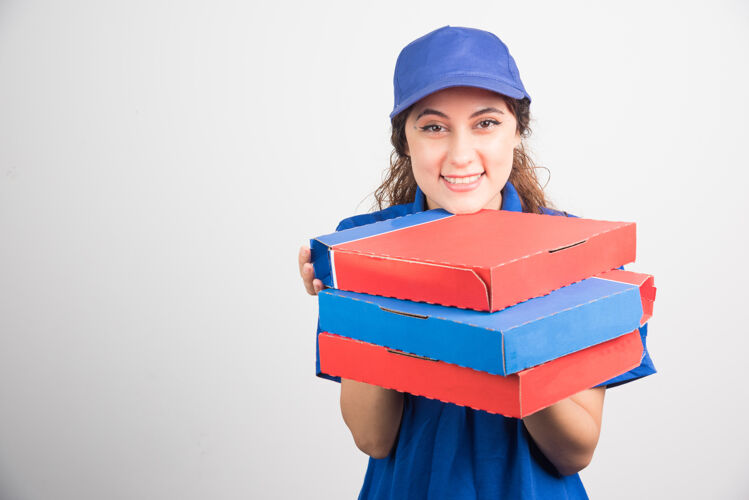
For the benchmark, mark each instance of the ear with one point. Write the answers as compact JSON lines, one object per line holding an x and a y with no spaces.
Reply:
{"x":517,"y":140}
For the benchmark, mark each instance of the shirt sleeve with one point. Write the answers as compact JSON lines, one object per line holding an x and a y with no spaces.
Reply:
{"x":645,"y":368}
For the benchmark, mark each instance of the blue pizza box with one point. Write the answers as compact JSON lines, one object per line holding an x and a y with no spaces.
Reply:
{"x":533,"y":332}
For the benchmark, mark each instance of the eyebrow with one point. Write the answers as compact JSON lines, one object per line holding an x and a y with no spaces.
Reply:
{"x":487,"y":110}
{"x":430,"y":111}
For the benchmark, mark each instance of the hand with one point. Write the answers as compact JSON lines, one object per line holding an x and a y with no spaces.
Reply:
{"x":308,"y":272}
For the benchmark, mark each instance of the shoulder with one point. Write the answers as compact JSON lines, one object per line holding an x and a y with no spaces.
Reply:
{"x":552,"y":211}
{"x":361,"y":219}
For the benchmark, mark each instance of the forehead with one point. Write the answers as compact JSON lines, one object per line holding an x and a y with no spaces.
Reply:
{"x":457,"y":98}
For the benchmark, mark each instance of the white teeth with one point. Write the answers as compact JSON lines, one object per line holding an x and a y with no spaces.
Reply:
{"x":462,"y":180}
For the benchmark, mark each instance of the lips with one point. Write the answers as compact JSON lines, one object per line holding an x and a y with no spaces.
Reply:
{"x":462,"y":183}
{"x":464,"y":179}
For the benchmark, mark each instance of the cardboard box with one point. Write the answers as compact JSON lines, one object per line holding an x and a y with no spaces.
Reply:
{"x":484,"y":261}
{"x":516,"y":395}
{"x":530,"y":333}
{"x":646,"y":284}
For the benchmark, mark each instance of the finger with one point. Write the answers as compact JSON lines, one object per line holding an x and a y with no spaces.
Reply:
{"x":317,"y":285}
{"x":308,"y":276}
{"x":304,"y":257}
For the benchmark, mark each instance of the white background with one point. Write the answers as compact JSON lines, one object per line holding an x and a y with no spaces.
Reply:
{"x":162,"y":162}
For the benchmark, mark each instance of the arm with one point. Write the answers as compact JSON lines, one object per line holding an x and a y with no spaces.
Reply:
{"x":567,"y":432}
{"x":372,"y":414}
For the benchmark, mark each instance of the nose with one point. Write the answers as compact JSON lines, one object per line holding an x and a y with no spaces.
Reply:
{"x":462,"y":151}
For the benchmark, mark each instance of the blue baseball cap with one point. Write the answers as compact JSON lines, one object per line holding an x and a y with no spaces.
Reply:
{"x":454,"y":57}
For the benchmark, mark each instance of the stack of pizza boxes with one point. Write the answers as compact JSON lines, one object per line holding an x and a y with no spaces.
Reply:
{"x":499,"y":311}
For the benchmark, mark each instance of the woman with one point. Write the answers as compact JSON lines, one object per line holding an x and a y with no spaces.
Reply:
{"x":460,"y":115}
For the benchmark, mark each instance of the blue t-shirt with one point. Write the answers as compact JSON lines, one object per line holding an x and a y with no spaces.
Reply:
{"x":445,"y":451}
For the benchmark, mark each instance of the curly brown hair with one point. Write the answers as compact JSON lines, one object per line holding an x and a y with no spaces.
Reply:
{"x":399,"y":185}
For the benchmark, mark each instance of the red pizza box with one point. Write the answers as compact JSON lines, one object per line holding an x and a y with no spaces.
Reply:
{"x":645,"y":282}
{"x":485,"y":261}
{"x":516,"y":395}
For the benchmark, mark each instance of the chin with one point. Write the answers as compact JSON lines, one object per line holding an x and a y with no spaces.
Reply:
{"x":463,"y":208}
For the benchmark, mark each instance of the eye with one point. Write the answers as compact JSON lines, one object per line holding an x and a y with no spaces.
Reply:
{"x":432,"y":128}
{"x":488,"y":123}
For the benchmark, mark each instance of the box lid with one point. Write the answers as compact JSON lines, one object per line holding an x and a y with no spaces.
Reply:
{"x":470,"y":261}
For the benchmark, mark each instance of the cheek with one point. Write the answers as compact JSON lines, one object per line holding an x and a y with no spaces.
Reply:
{"x":426,"y":157}
{"x":499,"y":153}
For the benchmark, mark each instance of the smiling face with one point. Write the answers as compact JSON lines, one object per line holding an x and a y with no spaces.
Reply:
{"x":461,"y":143}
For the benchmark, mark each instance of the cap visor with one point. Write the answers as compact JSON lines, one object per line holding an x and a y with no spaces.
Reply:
{"x":480,"y":82}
